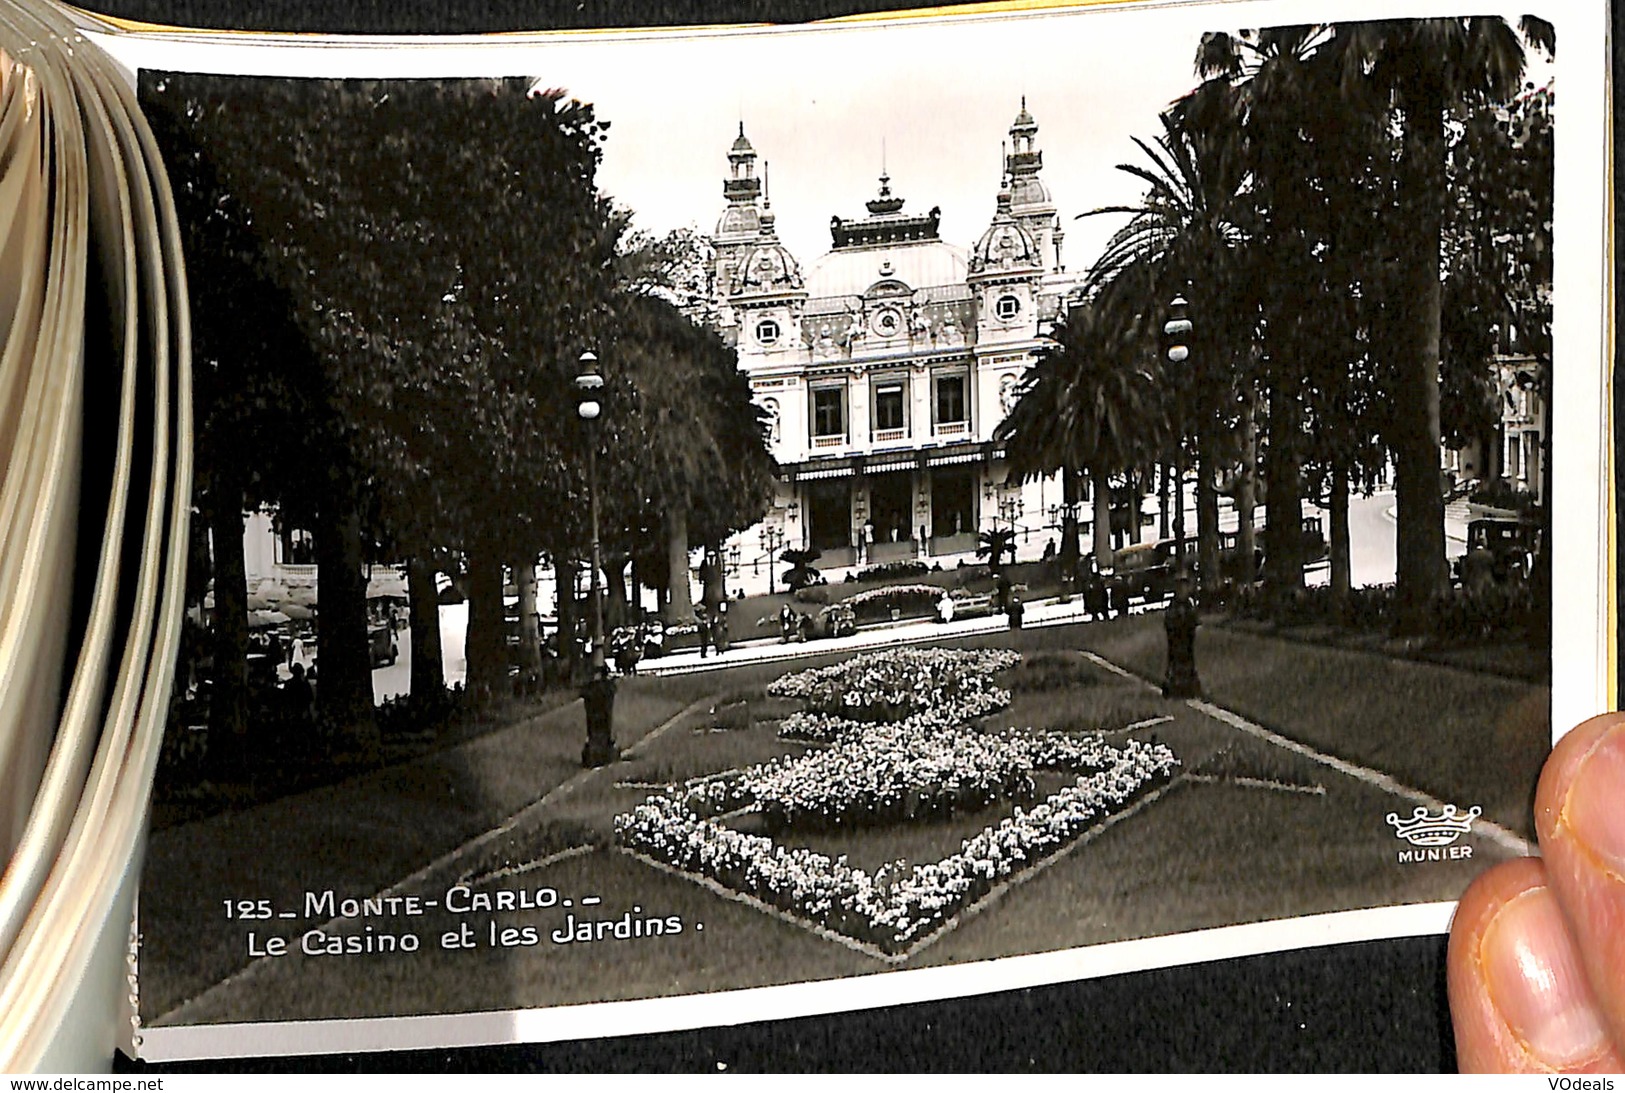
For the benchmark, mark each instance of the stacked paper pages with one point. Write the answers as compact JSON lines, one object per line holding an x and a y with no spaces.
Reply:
{"x":95,"y":472}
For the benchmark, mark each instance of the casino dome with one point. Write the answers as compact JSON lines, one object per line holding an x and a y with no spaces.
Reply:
{"x":769,"y":266}
{"x":1005,"y":244}
{"x":739,"y":220}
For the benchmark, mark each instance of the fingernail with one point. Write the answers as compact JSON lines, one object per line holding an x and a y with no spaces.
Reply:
{"x":1534,"y":977}
{"x":1592,"y":808}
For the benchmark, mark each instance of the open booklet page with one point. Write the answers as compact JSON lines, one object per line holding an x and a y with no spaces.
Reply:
{"x":697,"y":527}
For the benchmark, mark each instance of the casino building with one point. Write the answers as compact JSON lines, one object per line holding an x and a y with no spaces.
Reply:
{"x":885,"y":364}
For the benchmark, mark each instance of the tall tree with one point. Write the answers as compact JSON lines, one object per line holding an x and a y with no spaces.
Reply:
{"x":1412,"y":76}
{"x":1089,"y":404}
{"x":1184,"y":239}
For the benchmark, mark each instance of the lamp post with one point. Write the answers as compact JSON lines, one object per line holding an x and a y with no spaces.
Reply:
{"x":598,"y":694}
{"x":1180,"y":619}
{"x":772,"y":538}
{"x":1178,"y":329}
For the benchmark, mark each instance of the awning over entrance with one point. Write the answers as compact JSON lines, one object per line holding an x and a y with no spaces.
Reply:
{"x":847,"y":466}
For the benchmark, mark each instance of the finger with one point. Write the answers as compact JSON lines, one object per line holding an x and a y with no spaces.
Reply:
{"x":1519,"y":999}
{"x":1580,"y":818}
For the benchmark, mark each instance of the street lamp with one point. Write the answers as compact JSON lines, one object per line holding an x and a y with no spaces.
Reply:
{"x":1178,"y":329}
{"x":1180,"y":619}
{"x":772,"y":537}
{"x":598,"y":694}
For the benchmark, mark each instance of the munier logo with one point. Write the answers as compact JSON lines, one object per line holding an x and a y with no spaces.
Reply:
{"x":1434,"y":834}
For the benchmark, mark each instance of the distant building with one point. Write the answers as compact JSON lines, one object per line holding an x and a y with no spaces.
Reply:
{"x":1514,"y":451}
{"x":886,"y":363}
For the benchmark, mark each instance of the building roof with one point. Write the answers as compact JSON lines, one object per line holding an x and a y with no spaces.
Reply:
{"x":919,"y":264}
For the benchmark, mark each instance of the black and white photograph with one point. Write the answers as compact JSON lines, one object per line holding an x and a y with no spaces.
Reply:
{"x":703,"y":515}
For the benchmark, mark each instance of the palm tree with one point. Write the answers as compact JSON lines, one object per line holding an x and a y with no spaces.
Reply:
{"x":993,"y":544}
{"x":1184,"y":239}
{"x":1090,"y":405}
{"x":690,"y":451}
{"x":1409,"y":77}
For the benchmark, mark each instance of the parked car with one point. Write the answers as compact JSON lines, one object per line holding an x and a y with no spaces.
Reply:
{"x":1315,"y":548}
{"x":382,"y":647}
{"x":1146,"y":571}
{"x":1511,"y":544}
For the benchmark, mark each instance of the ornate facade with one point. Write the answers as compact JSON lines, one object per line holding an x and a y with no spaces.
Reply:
{"x":886,"y":363}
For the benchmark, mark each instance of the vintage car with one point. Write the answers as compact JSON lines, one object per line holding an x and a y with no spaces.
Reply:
{"x":1146,"y":571}
{"x":382,"y":647}
{"x":1509,"y":544}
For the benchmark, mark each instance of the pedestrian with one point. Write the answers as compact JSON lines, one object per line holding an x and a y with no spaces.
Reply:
{"x":1117,"y":594}
{"x":945,"y":608}
{"x":298,"y":696}
{"x":719,"y":628}
{"x":787,"y":624}
{"x":868,"y":539}
{"x":702,"y":619}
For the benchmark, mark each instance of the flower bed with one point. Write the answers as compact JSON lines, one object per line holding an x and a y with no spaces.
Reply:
{"x":889,"y":773}
{"x":895,"y":684}
{"x":899,"y":750}
{"x":906,"y":600}
{"x":885,"y":571}
{"x":898,"y":904}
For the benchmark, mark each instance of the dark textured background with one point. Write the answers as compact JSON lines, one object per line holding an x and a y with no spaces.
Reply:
{"x":1377,"y":1006}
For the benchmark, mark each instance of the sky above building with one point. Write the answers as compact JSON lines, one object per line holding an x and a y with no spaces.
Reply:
{"x":827,"y":110}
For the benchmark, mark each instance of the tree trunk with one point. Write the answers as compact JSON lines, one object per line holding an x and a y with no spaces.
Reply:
{"x":1283,"y":529}
{"x":1419,"y":538}
{"x":485,"y":644}
{"x":680,"y":605}
{"x":1162,"y":501}
{"x":344,"y":685}
{"x":428,"y":668}
{"x":1102,"y":519}
{"x":1207,"y":517}
{"x":1134,"y":499}
{"x":564,"y":579}
{"x":1247,"y":492}
{"x":615,"y":606}
{"x":530,"y":641}
{"x":1339,"y":544}
{"x":228,"y":700}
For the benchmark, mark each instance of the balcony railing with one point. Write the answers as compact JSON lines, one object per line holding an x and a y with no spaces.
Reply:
{"x":886,"y":436}
{"x":829,"y":441}
{"x":951,"y":428}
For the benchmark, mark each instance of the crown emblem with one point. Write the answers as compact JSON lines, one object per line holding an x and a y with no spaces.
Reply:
{"x":1425,"y":829}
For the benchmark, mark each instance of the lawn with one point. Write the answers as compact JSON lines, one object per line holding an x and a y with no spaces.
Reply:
{"x":1248,"y":831}
{"x":1463,"y":736}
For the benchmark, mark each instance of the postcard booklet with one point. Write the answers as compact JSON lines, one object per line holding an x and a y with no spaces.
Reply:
{"x":707,"y":525}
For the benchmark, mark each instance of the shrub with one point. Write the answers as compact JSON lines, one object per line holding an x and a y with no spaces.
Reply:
{"x":817,"y":594}
{"x":1498,"y":493}
{"x":877,"y":604}
{"x":885,"y":571}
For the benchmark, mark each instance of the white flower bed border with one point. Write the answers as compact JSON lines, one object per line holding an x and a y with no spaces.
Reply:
{"x":897,"y":905}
